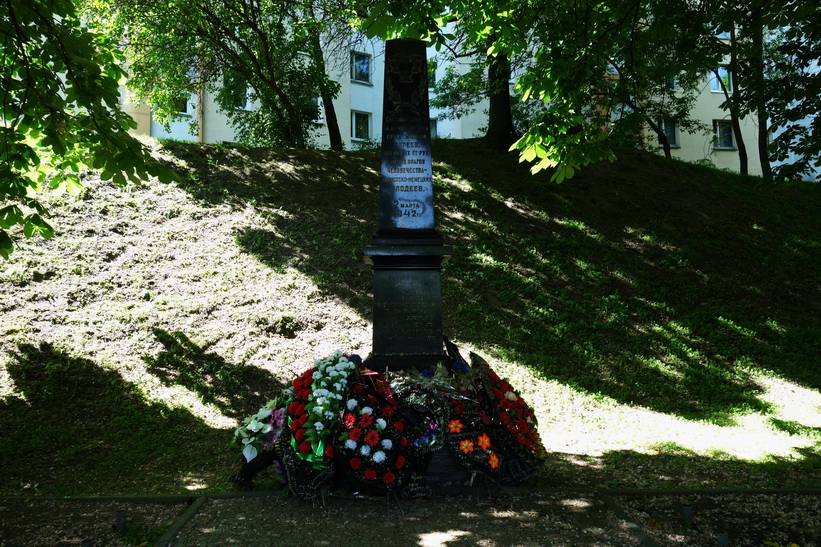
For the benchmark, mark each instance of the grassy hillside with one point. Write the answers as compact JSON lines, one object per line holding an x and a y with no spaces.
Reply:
{"x":661,"y":317}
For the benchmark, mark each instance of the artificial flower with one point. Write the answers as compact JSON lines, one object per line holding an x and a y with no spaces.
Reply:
{"x":350,"y":444}
{"x":400,"y":461}
{"x":493,"y":461}
{"x":355,"y":463}
{"x":483,"y":441}
{"x":365,"y":450}
{"x":455,"y":426}
{"x":379,"y":456}
{"x":365,"y":420}
{"x":369,"y":474}
{"x":329,"y":451}
{"x":399,"y":426}
{"x":351,"y":404}
{"x":466,"y":446}
{"x":388,"y":478}
{"x":349,"y":420}
{"x":372,"y":438}
{"x":304,"y":447}
{"x":387,"y":444}
{"x":381,"y":424}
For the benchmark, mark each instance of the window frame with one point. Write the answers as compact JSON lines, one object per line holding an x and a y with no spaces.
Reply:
{"x":717,"y":135}
{"x":354,"y":55}
{"x":665,"y":124}
{"x":715,"y":86}
{"x":354,"y":136}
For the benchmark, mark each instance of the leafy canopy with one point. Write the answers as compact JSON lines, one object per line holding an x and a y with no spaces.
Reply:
{"x":59,"y":94}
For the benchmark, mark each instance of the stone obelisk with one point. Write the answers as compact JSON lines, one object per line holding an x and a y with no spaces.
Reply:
{"x":406,"y":253}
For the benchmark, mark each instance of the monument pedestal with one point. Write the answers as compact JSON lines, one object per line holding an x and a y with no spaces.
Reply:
{"x":407,"y":314}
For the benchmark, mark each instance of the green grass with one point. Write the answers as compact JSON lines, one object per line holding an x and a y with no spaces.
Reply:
{"x":661,"y":317}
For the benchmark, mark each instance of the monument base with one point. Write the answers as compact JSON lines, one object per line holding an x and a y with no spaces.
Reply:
{"x":407,"y":314}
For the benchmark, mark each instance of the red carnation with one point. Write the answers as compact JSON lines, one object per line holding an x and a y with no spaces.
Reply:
{"x":305,"y":447}
{"x":298,"y":383}
{"x":403,"y":441}
{"x":372,"y":438}
{"x":292,"y":407}
{"x":358,"y":387}
{"x":387,"y":411}
{"x":365,"y":420}
{"x":505,"y":417}
{"x":329,"y":451}
{"x":299,"y":435}
{"x":400,"y":461}
{"x":388,"y":478}
{"x":294,"y":425}
{"x":371,"y":399}
{"x":354,"y":434}
{"x":355,"y":463}
{"x":300,"y":408}
{"x":370,"y":474}
{"x":303,"y":419}
{"x":399,"y":426}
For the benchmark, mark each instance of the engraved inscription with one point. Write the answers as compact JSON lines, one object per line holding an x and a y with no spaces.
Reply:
{"x":406,"y":189}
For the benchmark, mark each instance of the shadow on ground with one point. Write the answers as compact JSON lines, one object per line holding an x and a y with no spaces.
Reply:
{"x":639,"y":280}
{"x":232,"y":388}
{"x":87,"y":428}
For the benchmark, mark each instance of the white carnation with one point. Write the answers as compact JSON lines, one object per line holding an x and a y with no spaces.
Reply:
{"x":319,"y":426}
{"x":381,"y":423}
{"x":387,"y":444}
{"x":365,"y":450}
{"x":329,"y":414}
{"x":367,"y":410}
{"x":350,"y":444}
{"x":379,"y":456}
{"x":352,"y":404}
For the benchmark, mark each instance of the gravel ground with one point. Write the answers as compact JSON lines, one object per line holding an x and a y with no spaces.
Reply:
{"x":516,"y":518}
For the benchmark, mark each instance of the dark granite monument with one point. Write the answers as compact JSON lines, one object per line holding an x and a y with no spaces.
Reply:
{"x":406,"y":252}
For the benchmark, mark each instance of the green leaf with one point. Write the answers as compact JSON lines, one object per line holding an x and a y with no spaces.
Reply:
{"x":10,"y":216}
{"x":6,"y":246}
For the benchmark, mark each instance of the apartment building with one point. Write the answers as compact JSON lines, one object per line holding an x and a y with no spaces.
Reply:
{"x":359,"y":111}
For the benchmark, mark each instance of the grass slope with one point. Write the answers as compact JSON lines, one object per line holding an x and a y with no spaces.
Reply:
{"x":661,"y":317}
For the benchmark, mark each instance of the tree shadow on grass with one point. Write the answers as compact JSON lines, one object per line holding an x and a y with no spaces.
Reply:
{"x":79,"y":429}
{"x":320,"y":208}
{"x":235,"y":389}
{"x":634,"y":280}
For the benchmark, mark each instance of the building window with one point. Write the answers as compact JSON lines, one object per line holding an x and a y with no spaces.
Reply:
{"x":183,"y":108}
{"x":433,"y":64}
{"x":360,"y":126}
{"x":434,"y":131}
{"x":361,"y":67}
{"x":237,"y":89}
{"x":723,"y":135}
{"x":670,"y":129}
{"x":723,"y":80}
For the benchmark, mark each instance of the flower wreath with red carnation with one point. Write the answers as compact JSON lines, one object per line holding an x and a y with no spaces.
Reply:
{"x":372,"y":447}
{"x":510,"y":409}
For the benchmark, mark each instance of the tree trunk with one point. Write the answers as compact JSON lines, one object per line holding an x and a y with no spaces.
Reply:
{"x":500,"y":131}
{"x":743,"y":162}
{"x":662,"y":136}
{"x":756,"y":27}
{"x":331,"y":120}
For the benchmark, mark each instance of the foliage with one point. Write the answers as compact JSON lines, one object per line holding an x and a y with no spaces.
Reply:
{"x":600,"y":68}
{"x":60,"y":113}
{"x":794,"y":90}
{"x":274,"y":49}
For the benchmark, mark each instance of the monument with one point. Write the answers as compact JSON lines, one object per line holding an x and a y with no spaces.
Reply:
{"x":406,"y":253}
